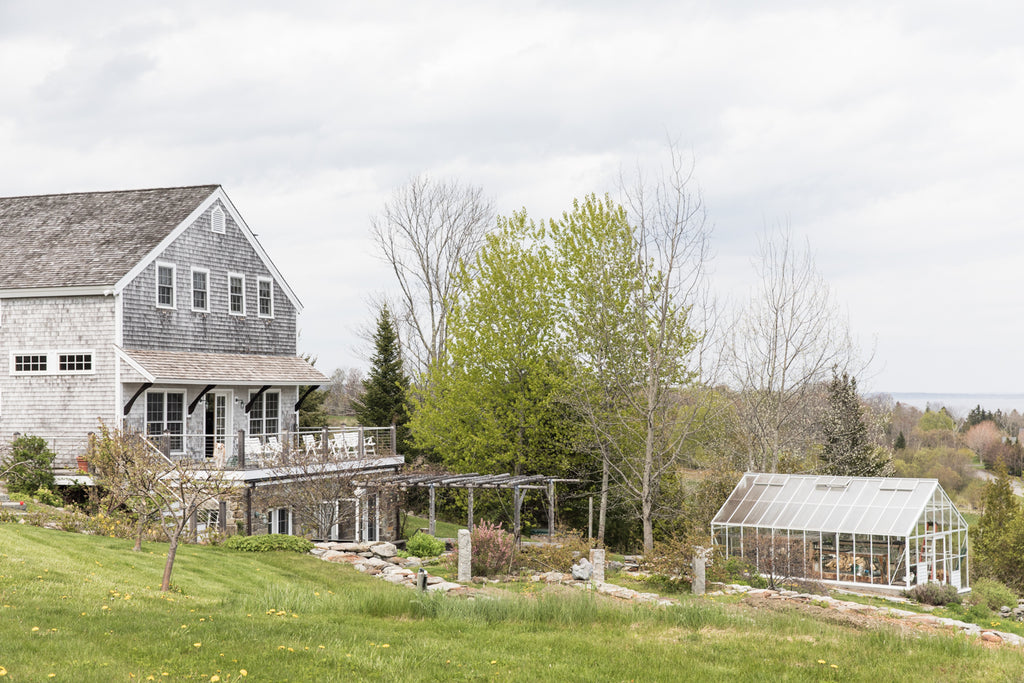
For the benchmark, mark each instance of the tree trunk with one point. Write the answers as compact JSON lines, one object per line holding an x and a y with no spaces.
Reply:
{"x":140,"y":527}
{"x":603,"y":513}
{"x":171,"y":552}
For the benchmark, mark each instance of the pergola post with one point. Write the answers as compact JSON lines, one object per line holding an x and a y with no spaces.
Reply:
{"x":516,"y":502}
{"x":431,"y":524}
{"x":469,"y":493}
{"x":551,"y":511}
{"x":248,"y":511}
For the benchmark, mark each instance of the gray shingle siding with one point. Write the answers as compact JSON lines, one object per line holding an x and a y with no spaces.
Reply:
{"x":148,"y":327}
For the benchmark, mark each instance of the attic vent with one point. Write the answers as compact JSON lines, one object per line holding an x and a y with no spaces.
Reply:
{"x":217,"y":220}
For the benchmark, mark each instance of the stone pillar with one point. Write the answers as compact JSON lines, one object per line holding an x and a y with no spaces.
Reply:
{"x":698,"y":587}
{"x":465,"y":556}
{"x":597,"y":559}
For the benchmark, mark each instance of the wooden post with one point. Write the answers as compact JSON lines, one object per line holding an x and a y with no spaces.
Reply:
{"x":222,"y":515}
{"x":241,"y":453}
{"x":551,"y":511}
{"x":248,"y":511}
{"x":324,"y":446}
{"x":590,"y":518}
{"x":362,"y":446}
{"x":469,"y":492}
{"x":165,"y":444}
{"x":394,"y":440}
{"x":192,"y":533}
{"x":516,"y":501}
{"x":431,"y":524}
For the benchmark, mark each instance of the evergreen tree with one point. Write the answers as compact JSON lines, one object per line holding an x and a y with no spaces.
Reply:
{"x":313,"y":413}
{"x":384,"y":399}
{"x":846,"y":448}
{"x":901,"y":442}
{"x":998,"y":538}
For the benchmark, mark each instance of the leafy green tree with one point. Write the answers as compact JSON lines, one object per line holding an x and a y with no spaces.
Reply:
{"x":494,"y":405}
{"x":998,"y":537}
{"x":936,"y":420}
{"x":846,"y":448}
{"x":28,"y":466}
{"x":385,"y":391}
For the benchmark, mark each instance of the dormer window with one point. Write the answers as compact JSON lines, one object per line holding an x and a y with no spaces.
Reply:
{"x":217,"y":220}
{"x":165,"y":277}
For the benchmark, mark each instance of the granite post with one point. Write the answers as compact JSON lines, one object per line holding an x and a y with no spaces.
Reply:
{"x":698,"y":587}
{"x":465,"y":556}
{"x":597,"y":559}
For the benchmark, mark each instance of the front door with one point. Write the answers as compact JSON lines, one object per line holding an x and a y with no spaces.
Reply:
{"x":216,"y":423}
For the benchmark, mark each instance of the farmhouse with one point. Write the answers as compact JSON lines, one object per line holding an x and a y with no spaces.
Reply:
{"x":156,"y":310}
{"x":845,"y":530}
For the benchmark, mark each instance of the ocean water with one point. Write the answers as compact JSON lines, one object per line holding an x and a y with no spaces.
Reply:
{"x":961,"y":404}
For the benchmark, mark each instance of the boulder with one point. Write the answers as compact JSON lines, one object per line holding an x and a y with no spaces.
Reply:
{"x":582,"y":570}
{"x":384,"y":549}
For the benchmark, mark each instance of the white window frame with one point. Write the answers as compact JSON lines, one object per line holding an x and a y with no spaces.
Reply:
{"x":52,"y":359}
{"x":241,"y":277}
{"x":274,"y":521}
{"x":174,"y":285}
{"x":163,"y":419}
{"x":192,"y":288}
{"x":259,"y":297}
{"x":261,"y":402}
{"x":217,"y":218}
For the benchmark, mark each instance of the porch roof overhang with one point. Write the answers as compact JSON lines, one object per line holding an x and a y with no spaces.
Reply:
{"x":188,"y":367}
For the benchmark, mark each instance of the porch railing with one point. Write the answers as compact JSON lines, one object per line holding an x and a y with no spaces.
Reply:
{"x":243,"y":451}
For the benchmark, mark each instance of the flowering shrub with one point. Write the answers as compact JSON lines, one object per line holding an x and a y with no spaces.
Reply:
{"x":492,"y":549}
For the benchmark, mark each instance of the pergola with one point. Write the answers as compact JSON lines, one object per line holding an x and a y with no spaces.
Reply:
{"x":847,"y":530}
{"x":519,"y":484}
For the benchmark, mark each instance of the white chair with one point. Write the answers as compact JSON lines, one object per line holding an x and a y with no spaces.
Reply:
{"x":309,"y":443}
{"x":273,"y":447}
{"x":253,"y":450}
{"x":369,"y":446}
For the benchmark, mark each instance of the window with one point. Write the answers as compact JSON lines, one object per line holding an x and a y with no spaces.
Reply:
{"x":265,"y":295}
{"x":74,"y":362}
{"x":200,"y":290}
{"x":51,"y":363}
{"x":165,"y":411}
{"x":217,"y":220}
{"x":236,"y":294}
{"x":264,"y":416}
{"x":165,"y":276}
{"x":30,"y":363}
{"x":280,"y":521}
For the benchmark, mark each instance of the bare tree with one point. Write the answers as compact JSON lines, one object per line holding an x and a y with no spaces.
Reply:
{"x":787,"y":344}
{"x":426,"y":231}
{"x":346,"y":386}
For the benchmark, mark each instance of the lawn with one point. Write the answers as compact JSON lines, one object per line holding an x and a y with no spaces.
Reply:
{"x":443,"y":529}
{"x":85,"y":608}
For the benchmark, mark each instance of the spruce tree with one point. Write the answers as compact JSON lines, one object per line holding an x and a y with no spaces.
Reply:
{"x":384,"y":399}
{"x":846,"y":448}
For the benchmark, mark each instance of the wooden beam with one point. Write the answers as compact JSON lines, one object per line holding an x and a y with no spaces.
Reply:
{"x":263,"y":390}
{"x":135,"y":396}
{"x":195,"y":401}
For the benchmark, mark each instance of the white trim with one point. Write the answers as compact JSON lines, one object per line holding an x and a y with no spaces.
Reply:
{"x":53,"y":362}
{"x":164,"y":391}
{"x":259,"y":311}
{"x":216,"y":213}
{"x":174,"y":285}
{"x":231,"y":312}
{"x":134,"y":365}
{"x":192,"y":288}
{"x":40,"y":292}
{"x":218,"y":193}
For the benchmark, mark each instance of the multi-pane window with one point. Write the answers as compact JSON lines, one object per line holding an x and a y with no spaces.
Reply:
{"x":200,"y":290}
{"x":165,"y":411}
{"x":279,"y":522}
{"x":165,"y":286}
{"x":264,"y":415}
{"x":236,"y":294}
{"x":74,"y":362}
{"x":265,"y":294}
{"x":30,"y":363}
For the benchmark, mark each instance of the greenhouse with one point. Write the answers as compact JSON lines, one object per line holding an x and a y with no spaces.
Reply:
{"x":845,"y":530}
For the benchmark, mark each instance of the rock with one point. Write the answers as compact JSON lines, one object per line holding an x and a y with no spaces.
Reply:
{"x":582,"y":570}
{"x":384,"y":549}
{"x":434,"y":580}
{"x":444,"y":586}
{"x":615,"y":564}
{"x":552,"y":577}
{"x":990,"y":637}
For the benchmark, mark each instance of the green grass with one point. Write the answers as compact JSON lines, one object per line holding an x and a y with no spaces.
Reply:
{"x":86,"y":608}
{"x":443,"y":529}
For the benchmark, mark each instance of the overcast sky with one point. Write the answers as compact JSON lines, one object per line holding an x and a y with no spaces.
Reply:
{"x":889,"y":134}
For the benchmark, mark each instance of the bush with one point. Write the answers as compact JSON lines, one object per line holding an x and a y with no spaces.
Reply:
{"x":268,"y":542}
{"x":933,"y":594}
{"x":48,"y":497}
{"x":558,"y":556}
{"x":424,"y":545}
{"x":29,"y":465}
{"x":492,"y":549}
{"x":992,"y":594}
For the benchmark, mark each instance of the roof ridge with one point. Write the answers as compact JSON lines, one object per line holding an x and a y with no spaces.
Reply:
{"x":98,"y":192}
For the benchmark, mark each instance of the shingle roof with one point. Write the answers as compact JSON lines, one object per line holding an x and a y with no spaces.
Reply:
{"x":88,"y":238}
{"x":187,"y":367}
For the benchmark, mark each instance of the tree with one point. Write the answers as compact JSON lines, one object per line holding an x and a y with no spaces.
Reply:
{"x":900,"y":443}
{"x":426,"y":231}
{"x":846,"y":448}
{"x":312,"y":414}
{"x":385,"y":390}
{"x":998,"y":537}
{"x":494,"y":404}
{"x":786,"y":343}
{"x":983,"y":438}
{"x":28,"y":466}
{"x":345,"y":388}
{"x":977,"y":415}
{"x":936,"y":420}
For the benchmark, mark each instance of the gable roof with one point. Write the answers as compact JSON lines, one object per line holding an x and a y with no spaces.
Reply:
{"x":87,"y":238}
{"x":859,"y":505}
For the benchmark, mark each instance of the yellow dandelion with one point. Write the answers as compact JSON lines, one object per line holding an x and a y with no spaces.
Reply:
{"x":104,"y":607}
{"x":197,"y":644}
{"x":280,"y":647}
{"x":35,"y":628}
{"x":821,"y":661}
{"x":3,"y":671}
{"x":243,"y":672}
{"x":184,"y":625}
{"x":151,"y":677}
{"x":214,"y":678}
{"x":494,"y":661}
{"x":291,"y":649}
{"x":51,"y":675}
{"x":320,"y":647}
{"x":385,"y":645}
{"x":202,"y":618}
{"x":835,"y":666}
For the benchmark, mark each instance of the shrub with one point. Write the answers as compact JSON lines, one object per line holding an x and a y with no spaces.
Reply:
{"x":268,"y":542}
{"x":424,"y":545}
{"x":492,"y":549}
{"x":992,"y":594}
{"x":933,"y":594}
{"x":48,"y":497}
{"x":29,"y":465}
{"x":558,"y":556}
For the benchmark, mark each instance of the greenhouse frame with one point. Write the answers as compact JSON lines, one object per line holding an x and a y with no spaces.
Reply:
{"x":886,"y":532}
